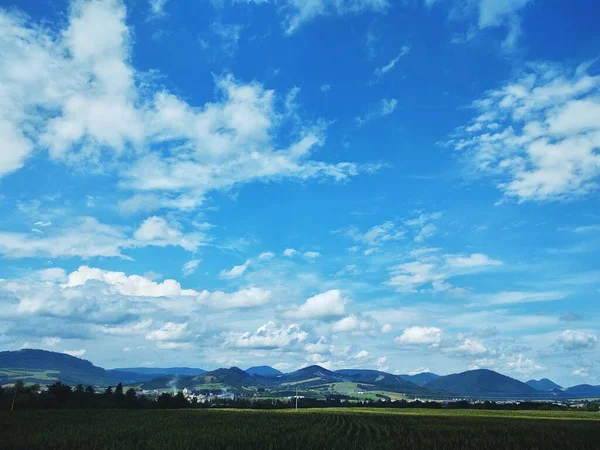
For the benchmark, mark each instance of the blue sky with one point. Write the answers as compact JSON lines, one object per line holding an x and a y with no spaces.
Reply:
{"x":354,"y":183}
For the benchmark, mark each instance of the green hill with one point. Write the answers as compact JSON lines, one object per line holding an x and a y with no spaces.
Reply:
{"x":381,"y":380}
{"x":544,"y":384}
{"x":44,"y":367}
{"x":483,"y":383}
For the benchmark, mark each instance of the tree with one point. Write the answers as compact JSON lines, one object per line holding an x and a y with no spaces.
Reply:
{"x":119,"y":389}
{"x":89,"y":389}
{"x":79,"y":389}
{"x":61,"y":392}
{"x":108,"y":391}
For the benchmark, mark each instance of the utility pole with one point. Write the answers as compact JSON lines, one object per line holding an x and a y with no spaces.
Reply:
{"x":12,"y":406}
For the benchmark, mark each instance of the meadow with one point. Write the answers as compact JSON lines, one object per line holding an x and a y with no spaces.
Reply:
{"x":305,"y":429}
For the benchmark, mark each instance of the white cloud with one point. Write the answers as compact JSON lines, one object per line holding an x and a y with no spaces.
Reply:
{"x":300,"y":11}
{"x":268,"y":336}
{"x":157,"y":231}
{"x":325,"y":88}
{"x":515,"y":297}
{"x":352,"y":323}
{"x":504,"y":363}
{"x":76,"y":94}
{"x":52,"y":274}
{"x":431,"y":269}
{"x":134,"y":285}
{"x":376,"y":235}
{"x":311,"y":255}
{"x":581,"y":372}
{"x":289,"y":252}
{"x":128,"y":329}
{"x":51,"y":341}
{"x":361,"y":355}
{"x":190,"y":267}
{"x":423,"y":226}
{"x":386,"y":328}
{"x":539,"y":134}
{"x":168,"y":332}
{"x":86,"y":237}
{"x":420,"y":336}
{"x":577,"y":340}
{"x":244,"y":298}
{"x":321,"y":306}
{"x":467,"y":347}
{"x":495,"y":13}
{"x":322,"y":346}
{"x":468,"y":262}
{"x":381,"y":71}
{"x":157,"y":7}
{"x":235,"y":271}
{"x":76,"y":353}
{"x":266,"y":256}
{"x":385,"y":107}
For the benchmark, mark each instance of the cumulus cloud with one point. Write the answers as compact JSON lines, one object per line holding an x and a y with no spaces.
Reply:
{"x":577,"y":340}
{"x":353,"y":323}
{"x":134,"y":285}
{"x":506,"y":363}
{"x":418,"y":335}
{"x":539,"y":133}
{"x":169,"y":331}
{"x":268,"y":336}
{"x":326,"y":305}
{"x":76,"y":93}
{"x":86,"y":237}
{"x":289,"y":252}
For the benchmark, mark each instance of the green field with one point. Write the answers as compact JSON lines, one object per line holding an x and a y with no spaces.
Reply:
{"x":307,"y":429}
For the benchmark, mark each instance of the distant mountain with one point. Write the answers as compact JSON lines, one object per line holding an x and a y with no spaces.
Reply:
{"x":544,"y":385}
{"x":581,"y":391}
{"x":308,"y":377}
{"x":134,"y":374}
{"x":483,"y":383}
{"x":381,"y":380}
{"x":263,"y":371}
{"x":44,"y":367}
{"x":233,"y":377}
{"x":421,"y":379}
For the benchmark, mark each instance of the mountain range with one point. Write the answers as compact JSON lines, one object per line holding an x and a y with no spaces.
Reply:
{"x":43,"y":367}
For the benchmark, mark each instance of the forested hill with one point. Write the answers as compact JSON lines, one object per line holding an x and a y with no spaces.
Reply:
{"x":44,"y":367}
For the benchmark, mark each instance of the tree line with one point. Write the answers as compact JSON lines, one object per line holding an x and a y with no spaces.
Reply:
{"x":63,"y":396}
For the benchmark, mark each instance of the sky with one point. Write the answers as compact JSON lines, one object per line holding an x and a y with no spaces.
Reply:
{"x":395,"y":185}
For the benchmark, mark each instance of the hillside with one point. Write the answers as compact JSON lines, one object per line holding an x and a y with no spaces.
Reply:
{"x":581,"y":391}
{"x":543,"y":385}
{"x":134,"y":374}
{"x":263,"y":371}
{"x":420,"y":379}
{"x":485,"y":384}
{"x":44,"y":367}
{"x":381,"y":380}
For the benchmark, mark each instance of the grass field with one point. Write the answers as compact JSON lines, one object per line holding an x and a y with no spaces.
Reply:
{"x":307,"y":429}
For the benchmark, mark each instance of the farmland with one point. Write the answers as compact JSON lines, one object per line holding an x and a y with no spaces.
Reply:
{"x":306,"y":429}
